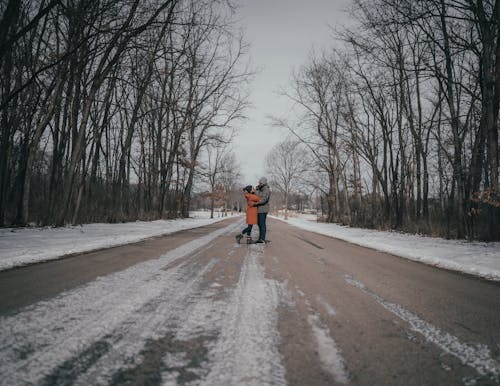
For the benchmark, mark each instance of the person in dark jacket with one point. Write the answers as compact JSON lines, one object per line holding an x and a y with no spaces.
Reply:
{"x":264,"y":194}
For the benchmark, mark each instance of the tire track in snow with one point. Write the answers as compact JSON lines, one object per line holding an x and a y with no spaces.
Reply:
{"x":43,"y":337}
{"x":151,"y":322}
{"x":328,"y":308}
{"x":329,"y":354}
{"x":246,"y":352}
{"x":477,"y":356}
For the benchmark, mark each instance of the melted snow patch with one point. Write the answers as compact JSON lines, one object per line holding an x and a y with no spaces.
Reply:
{"x":329,"y":354}
{"x":328,"y":308}
{"x":477,"y":356}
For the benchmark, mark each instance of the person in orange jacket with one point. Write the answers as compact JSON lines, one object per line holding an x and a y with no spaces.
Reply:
{"x":251,"y":213}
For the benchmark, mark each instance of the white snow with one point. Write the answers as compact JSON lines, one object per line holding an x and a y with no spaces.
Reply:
{"x":328,"y":308}
{"x":22,"y":246}
{"x":91,"y":333}
{"x":30,"y":245}
{"x":329,"y":354}
{"x":119,"y":312}
{"x":112,"y":318}
{"x":476,"y":258}
{"x":247,"y":353}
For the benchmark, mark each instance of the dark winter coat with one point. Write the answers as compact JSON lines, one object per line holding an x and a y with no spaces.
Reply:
{"x":264,"y":194}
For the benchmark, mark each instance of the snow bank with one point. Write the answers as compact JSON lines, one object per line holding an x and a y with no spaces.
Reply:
{"x":22,"y":246}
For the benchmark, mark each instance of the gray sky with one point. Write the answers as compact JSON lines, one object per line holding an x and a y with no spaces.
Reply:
{"x":282,"y":34}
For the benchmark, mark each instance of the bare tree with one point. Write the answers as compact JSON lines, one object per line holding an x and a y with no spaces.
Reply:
{"x":404,"y":112}
{"x":119,"y":100}
{"x":217,"y":159}
{"x":286,"y":164}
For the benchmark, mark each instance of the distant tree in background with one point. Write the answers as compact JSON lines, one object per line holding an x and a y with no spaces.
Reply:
{"x":285,"y":164}
{"x":219,"y":172}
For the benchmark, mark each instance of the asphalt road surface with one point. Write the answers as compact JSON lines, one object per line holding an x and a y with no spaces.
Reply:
{"x":196,"y":308}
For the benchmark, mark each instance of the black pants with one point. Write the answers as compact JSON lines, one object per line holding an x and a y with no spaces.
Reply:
{"x":261,"y":221}
{"x":247,"y":230}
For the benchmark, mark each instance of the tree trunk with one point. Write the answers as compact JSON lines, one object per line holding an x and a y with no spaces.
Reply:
{"x":5,"y":122}
{"x":286,"y":202}
{"x":455,"y":126}
{"x":23,"y":216}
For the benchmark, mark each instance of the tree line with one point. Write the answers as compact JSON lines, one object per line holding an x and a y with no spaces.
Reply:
{"x":107,"y":106}
{"x":400,"y":120}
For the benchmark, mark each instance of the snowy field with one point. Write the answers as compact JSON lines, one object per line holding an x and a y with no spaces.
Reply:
{"x":25,"y":246}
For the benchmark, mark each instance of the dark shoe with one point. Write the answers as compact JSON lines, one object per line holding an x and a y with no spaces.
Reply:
{"x":259,"y":241}
{"x":249,"y":240}
{"x":238,"y":238}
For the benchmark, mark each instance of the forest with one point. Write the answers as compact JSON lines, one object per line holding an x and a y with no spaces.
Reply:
{"x":399,"y":120}
{"x":110,"y":110}
{"x":106,"y":106}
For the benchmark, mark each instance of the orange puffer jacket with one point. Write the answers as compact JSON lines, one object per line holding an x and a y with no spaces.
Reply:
{"x":251,"y":210}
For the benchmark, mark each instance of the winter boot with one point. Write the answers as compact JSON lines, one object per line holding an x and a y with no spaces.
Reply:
{"x":238,"y":238}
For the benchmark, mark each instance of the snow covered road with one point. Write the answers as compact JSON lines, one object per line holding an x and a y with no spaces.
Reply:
{"x":100,"y":333}
{"x":303,"y":310}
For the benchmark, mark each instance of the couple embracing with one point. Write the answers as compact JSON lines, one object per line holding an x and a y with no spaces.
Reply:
{"x":257,"y":209}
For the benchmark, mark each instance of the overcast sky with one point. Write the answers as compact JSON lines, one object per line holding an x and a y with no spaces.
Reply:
{"x":282,"y":34}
